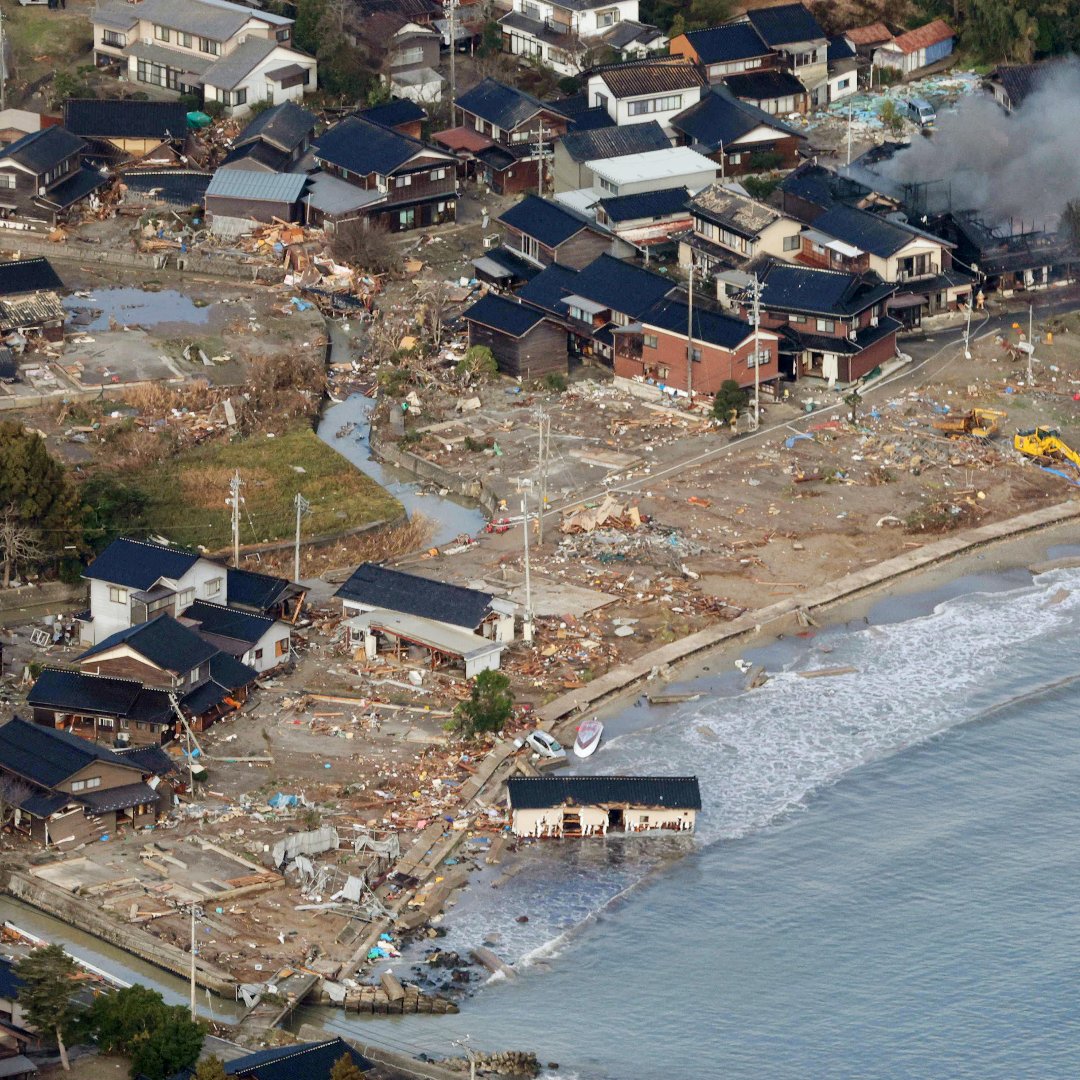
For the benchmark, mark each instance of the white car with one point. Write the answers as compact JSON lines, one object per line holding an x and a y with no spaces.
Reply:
{"x":544,"y":744}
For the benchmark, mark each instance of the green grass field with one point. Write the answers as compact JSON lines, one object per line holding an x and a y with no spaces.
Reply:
{"x":187,"y":495}
{"x":44,"y":40}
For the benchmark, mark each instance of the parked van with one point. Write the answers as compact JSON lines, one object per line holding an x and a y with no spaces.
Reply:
{"x":921,"y":112}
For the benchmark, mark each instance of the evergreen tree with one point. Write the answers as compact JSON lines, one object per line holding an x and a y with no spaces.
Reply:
{"x":47,"y":994}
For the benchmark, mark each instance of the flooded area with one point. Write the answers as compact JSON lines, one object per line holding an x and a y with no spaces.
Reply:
{"x":106,"y":309}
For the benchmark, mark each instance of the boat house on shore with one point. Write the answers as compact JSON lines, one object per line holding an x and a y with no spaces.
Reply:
{"x":556,"y":806}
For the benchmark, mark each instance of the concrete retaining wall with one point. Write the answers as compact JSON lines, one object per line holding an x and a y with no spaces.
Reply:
{"x":28,"y":244}
{"x":47,"y":593}
{"x":91,"y":918}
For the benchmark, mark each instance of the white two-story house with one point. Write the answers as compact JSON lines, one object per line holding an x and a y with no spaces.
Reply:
{"x":638,"y":91}
{"x":564,"y":34}
{"x":133,"y":582}
{"x":221,"y":51}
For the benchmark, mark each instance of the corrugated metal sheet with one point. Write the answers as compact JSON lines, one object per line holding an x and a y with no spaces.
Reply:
{"x":256,"y":186}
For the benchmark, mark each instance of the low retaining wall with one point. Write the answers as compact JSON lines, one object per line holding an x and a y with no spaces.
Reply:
{"x":472,"y":488}
{"x":624,"y":677}
{"x":91,"y":919}
{"x":88,"y":254}
{"x":49,"y":592}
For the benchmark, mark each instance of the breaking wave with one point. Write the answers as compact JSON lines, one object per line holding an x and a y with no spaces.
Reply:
{"x":762,"y":754}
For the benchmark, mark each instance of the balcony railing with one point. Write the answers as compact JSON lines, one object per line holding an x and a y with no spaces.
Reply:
{"x":929,"y":270}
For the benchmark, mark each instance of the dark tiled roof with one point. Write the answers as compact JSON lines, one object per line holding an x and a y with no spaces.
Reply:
{"x":118,"y":798}
{"x":227,"y":671}
{"x":505,"y":106}
{"x":1020,"y":81}
{"x":77,"y":186}
{"x":43,"y":805}
{"x":592,"y":120}
{"x":363,"y":147}
{"x":42,"y":150}
{"x":138,"y":564}
{"x":808,"y":290}
{"x":845,"y":346}
{"x":259,"y":153}
{"x":75,"y":691}
{"x":504,"y":315}
{"x":203,"y":698}
{"x":732,"y":41}
{"x":544,"y":220}
{"x":572,"y":107}
{"x":649,"y":204}
{"x":151,"y":759}
{"x":177,"y":187}
{"x":163,"y":641}
{"x":620,"y":287}
{"x":246,"y":588}
{"x":393,"y":113}
{"x":284,"y":126}
{"x":221,"y":621}
{"x":304,"y":1061}
{"x":868,"y":232}
{"x":609,"y":142}
{"x":27,"y":275}
{"x":821,"y":186}
{"x":549,"y":287}
{"x":46,"y":756}
{"x":380,"y":587}
{"x":512,"y":263}
{"x":721,"y":119}
{"x":785,"y":24}
{"x":651,"y":77}
{"x":9,"y":981}
{"x":839,"y":49}
{"x":711,"y":327}
{"x":497,"y":157}
{"x":540,"y":792}
{"x":90,"y":117}
{"x":764,"y":85}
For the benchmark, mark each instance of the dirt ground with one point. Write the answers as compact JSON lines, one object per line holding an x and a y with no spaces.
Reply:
{"x":91,"y":1067}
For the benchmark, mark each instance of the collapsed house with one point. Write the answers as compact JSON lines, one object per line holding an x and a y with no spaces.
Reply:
{"x":145,"y":134}
{"x":30,"y":306}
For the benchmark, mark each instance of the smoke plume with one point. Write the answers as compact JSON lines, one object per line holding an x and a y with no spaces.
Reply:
{"x":1020,"y":166}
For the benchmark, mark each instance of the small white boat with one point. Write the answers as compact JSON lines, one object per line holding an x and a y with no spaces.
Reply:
{"x":588,"y":737}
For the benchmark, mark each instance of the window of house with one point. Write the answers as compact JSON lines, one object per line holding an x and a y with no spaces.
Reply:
{"x":600,"y":100}
{"x":402,"y":181}
{"x":608,"y":186}
{"x":234,"y":97}
{"x":478,"y":123}
{"x":213,"y":48}
{"x":281,"y":646}
{"x":761,"y":358}
{"x":105,"y":721}
{"x":843,"y":84}
{"x":186,"y":598}
{"x":826,"y":326}
{"x":735,"y":159}
{"x":530,"y":246}
{"x":695,"y":354}
{"x":213,"y":586}
{"x":607,"y":18}
{"x":797,"y":318}
{"x":578,"y":313}
{"x":85,"y":785}
{"x":161,"y":33}
{"x":118,"y":595}
{"x":194,"y":676}
{"x":407,"y":218}
{"x":438,"y":174}
{"x":792,"y":243}
{"x":258,"y":654}
{"x":111,"y":37}
{"x":819,"y":249}
{"x":285,"y":34}
{"x":7,"y":180}
{"x":650,"y":341}
{"x":412,"y":55}
{"x":652,"y":105}
{"x":93,"y":782}
{"x":619,"y":319}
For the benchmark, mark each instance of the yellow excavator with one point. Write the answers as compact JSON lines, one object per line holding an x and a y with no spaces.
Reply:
{"x":981,"y":423}
{"x":1045,"y":444}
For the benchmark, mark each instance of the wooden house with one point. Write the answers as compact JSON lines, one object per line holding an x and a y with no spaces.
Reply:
{"x":148,"y":134}
{"x":565,"y":806}
{"x":524,"y":342}
{"x":41,"y":175}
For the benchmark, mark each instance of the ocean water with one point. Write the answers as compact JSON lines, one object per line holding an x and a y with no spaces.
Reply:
{"x":884,"y":881}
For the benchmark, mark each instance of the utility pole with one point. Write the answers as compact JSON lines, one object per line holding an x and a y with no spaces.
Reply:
{"x":722,"y":176}
{"x":849,"y":134}
{"x":757,"y":353}
{"x":234,"y":502}
{"x":1031,"y":343}
{"x":302,"y":507}
{"x":967,"y":328}
{"x":544,"y":422}
{"x":541,"y":158}
{"x":527,"y":622}
{"x":451,"y":13}
{"x":3,"y":64}
{"x":194,"y":1016}
{"x":690,"y":337}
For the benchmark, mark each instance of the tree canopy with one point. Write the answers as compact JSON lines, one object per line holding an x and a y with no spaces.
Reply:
{"x":173,"y":1044}
{"x":346,"y":1069}
{"x":488,"y":707}
{"x":47,"y":994}
{"x":33,"y":483}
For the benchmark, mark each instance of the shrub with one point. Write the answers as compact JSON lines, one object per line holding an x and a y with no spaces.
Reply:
{"x":489,"y":707}
{"x":731,"y":397}
{"x":555,"y":382}
{"x":479,"y":360}
{"x":759,"y":187}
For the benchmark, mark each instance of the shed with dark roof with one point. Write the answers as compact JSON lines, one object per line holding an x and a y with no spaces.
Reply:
{"x":558,"y":806}
{"x":275,"y":139}
{"x":545,"y":232}
{"x":401,"y":115}
{"x":523,"y":342}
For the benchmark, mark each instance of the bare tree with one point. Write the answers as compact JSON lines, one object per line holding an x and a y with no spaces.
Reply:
{"x":13,"y":793}
{"x":18,"y":544}
{"x":435,"y":304}
{"x":367,"y":245}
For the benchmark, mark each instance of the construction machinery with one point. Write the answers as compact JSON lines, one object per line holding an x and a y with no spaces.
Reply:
{"x":1045,"y":444}
{"x":981,"y":423}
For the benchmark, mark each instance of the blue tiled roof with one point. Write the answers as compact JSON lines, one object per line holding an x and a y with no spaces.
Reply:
{"x":513,"y":263}
{"x":136,"y":564}
{"x":712,"y":327}
{"x":732,"y":41}
{"x":115,"y":119}
{"x":541,"y":792}
{"x":46,"y":756}
{"x":721,"y":119}
{"x":227,"y":671}
{"x":249,"y":589}
{"x":765,"y":85}
{"x":504,"y":106}
{"x":648,"y":204}
{"x":310,"y":1061}
{"x":504,"y":315}
{"x":163,"y":641}
{"x":621,"y":287}
{"x":376,"y":586}
{"x":9,"y":981}
{"x":547,"y":221}
{"x":808,"y":290}
{"x":785,"y":24}
{"x":221,"y":621}
{"x":44,"y":149}
{"x":839,"y":49}
{"x":27,"y":275}
{"x":868,"y":232}
{"x":549,"y":287}
{"x":362,"y":147}
{"x":74,"y":690}
{"x":399,"y":111}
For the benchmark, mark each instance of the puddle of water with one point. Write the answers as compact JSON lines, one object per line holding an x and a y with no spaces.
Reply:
{"x":131,"y":307}
{"x":452,"y":516}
